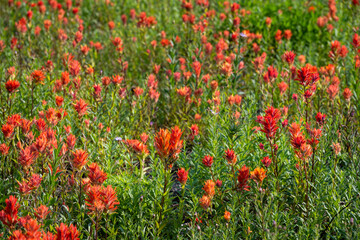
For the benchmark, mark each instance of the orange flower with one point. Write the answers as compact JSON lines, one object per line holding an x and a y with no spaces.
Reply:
{"x":137,"y":146}
{"x":7,"y":130}
{"x":96,"y":175}
{"x":12,"y":85}
{"x":38,"y":76}
{"x":101,"y":199}
{"x":227,"y":216}
{"x":26,"y":157}
{"x":258,"y":175}
{"x":41,"y":212}
{"x":205,"y":202}
{"x":168,"y":144}
{"x":9,"y":216}
{"x":336,"y":147}
{"x":81,"y":107}
{"x":209,"y":188}
{"x":80,"y":158}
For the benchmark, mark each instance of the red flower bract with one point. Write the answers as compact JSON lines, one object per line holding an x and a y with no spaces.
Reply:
{"x":168,"y":144}
{"x":243,"y":177}
{"x":11,"y":85}
{"x":79,"y":158}
{"x":182,"y":176}
{"x":96,"y":175}
{"x":270,"y":121}
{"x":207,"y":161}
{"x":101,"y":199}
{"x":38,"y":76}
{"x":81,"y":107}
{"x":9,"y":216}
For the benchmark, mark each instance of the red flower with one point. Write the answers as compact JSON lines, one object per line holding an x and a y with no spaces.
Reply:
{"x":207,"y":161}
{"x":96,"y":175}
{"x":197,"y":68}
{"x":227,"y":216}
{"x":101,"y":199}
{"x":209,"y":188}
{"x":41,"y":212}
{"x":59,"y":100}
{"x":144,"y":137}
{"x":35,"y":181}
{"x":11,"y":85}
{"x":287,"y":34}
{"x":266,"y":161}
{"x":38,"y":76}
{"x":230,"y":156}
{"x":80,"y":158}
{"x":81,"y":107}
{"x":269,"y":122}
{"x":26,"y":157}
{"x":138,"y":91}
{"x":347,"y":94}
{"x":168,"y":144}
{"x":65,"y":232}
{"x":74,"y":68}
{"x":9,"y":216}
{"x":4,"y":149}
{"x":70,"y":141}
{"x":109,"y":198}
{"x":320,"y":118}
{"x":297,"y":140}
{"x":32,"y":228}
{"x":307,"y":75}
{"x":182,"y":176}
{"x":194,"y":131}
{"x":289,"y":57}
{"x":243,"y":178}
{"x":258,"y":175}
{"x":332,"y":91}
{"x":137,"y":146}
{"x":282,"y":87}
{"x":7,"y":130}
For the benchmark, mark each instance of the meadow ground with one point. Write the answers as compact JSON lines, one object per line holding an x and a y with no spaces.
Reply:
{"x":175,"y":119}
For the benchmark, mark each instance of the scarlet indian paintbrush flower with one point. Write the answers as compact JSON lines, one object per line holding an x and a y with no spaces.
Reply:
{"x":207,"y":161}
{"x":38,"y":76}
{"x":12,"y":85}
{"x":205,"y":202}
{"x":81,"y":107}
{"x":96,"y":175}
{"x":182,"y":176}
{"x":270,"y":121}
{"x":7,"y":130}
{"x":79,"y":158}
{"x":137,"y":146}
{"x":243,"y":177}
{"x":289,"y":57}
{"x":66,"y":232}
{"x":9,"y":216}
{"x":266,"y":161}
{"x":26,"y":157}
{"x":320,"y":118}
{"x":4,"y":149}
{"x":227,"y":216}
{"x":41,"y":212}
{"x":258,"y":175}
{"x":168,"y":144}
{"x":230,"y":156}
{"x":209,"y":188}
{"x":101,"y":199}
